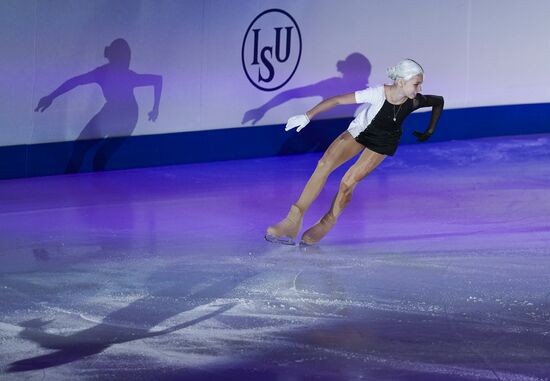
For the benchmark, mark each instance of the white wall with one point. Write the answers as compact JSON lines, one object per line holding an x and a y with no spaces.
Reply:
{"x":475,"y":53}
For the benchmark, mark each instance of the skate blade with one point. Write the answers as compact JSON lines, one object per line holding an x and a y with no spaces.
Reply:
{"x":280,"y":240}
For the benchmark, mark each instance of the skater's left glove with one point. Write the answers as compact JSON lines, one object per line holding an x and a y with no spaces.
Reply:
{"x":422,"y":136}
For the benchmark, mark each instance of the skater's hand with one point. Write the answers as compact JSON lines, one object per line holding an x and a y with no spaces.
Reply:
{"x":422,"y":136}
{"x":44,"y":103}
{"x":299,"y":121}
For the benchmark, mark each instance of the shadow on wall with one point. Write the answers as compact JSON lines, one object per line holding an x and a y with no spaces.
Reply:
{"x":355,"y":70}
{"x":119,"y":116}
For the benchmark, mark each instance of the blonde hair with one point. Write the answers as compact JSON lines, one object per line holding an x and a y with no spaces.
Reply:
{"x":405,"y":69}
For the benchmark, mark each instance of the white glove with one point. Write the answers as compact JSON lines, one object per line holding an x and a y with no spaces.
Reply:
{"x":299,"y":121}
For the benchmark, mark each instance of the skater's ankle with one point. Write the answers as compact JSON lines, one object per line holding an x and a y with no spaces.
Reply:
{"x":329,"y":218}
{"x":298,"y":208}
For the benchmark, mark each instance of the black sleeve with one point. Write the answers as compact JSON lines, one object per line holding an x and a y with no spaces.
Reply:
{"x":434,"y":101}
{"x":422,"y":100}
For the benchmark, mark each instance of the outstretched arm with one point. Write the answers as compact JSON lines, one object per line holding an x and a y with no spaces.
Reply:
{"x":436,"y":102}
{"x":69,"y":84}
{"x":300,"y":121}
{"x":155,"y":81}
{"x":329,"y":103}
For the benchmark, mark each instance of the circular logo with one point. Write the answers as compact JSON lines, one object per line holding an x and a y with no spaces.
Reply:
{"x":271,"y":51}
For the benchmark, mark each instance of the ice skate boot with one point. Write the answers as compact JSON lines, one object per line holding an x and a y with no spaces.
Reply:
{"x":286,"y":230}
{"x":316,"y":233}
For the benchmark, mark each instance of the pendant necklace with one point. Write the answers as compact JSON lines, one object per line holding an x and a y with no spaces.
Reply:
{"x":396,"y":112}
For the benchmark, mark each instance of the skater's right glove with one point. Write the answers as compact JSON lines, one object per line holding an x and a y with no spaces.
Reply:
{"x":299,"y":121}
{"x":422,"y":136}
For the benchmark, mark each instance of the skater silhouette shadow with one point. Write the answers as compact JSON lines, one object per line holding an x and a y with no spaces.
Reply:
{"x":355,"y":70}
{"x":118,"y":117}
{"x":133,"y":322}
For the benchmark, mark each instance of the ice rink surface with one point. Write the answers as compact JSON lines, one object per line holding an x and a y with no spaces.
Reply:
{"x":438,"y":270}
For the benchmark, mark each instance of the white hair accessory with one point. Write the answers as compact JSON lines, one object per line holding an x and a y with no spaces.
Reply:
{"x":405,"y":69}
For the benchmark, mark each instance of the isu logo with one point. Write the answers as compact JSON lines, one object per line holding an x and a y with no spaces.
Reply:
{"x":271,"y":50}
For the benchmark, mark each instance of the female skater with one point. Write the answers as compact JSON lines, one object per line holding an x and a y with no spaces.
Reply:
{"x":374,"y":132}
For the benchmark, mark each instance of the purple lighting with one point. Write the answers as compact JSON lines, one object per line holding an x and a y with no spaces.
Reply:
{"x":438,"y":270}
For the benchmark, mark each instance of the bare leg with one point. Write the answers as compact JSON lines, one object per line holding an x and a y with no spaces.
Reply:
{"x":343,"y":148}
{"x":366,"y":163}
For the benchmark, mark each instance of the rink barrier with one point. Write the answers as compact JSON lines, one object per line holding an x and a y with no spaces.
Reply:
{"x":262,"y":141}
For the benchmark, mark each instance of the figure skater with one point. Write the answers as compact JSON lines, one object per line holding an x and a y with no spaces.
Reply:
{"x":119,"y":116}
{"x":375,"y":132}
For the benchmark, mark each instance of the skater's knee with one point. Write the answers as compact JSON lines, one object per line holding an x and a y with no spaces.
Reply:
{"x":325,"y":165}
{"x":347,"y":185}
